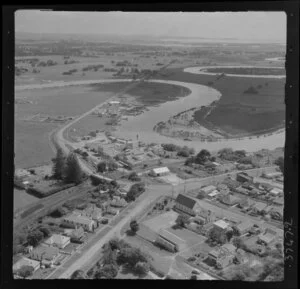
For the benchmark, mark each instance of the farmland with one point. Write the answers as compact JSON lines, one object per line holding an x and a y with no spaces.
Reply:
{"x":236,"y":112}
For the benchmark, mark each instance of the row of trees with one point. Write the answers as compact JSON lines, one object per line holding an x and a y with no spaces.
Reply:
{"x":135,"y":190}
{"x":67,"y":168}
{"x":118,"y":253}
{"x":181,"y":151}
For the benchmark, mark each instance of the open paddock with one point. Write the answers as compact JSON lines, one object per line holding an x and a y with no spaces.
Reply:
{"x":162,"y":221}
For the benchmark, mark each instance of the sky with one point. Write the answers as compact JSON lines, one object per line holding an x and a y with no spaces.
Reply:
{"x":267,"y":26}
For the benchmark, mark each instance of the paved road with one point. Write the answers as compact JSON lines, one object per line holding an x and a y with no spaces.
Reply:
{"x":151,"y":193}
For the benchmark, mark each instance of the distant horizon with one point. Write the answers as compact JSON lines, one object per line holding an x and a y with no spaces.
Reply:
{"x":145,"y":36}
{"x":269,"y":27}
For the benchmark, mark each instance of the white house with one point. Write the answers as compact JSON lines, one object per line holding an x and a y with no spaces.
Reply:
{"x":221,"y":225}
{"x":57,"y":240}
{"x":157,"y":172}
{"x":276,"y":192}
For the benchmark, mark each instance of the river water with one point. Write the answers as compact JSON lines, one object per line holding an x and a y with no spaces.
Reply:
{"x":143,"y":124}
{"x":201,"y":70}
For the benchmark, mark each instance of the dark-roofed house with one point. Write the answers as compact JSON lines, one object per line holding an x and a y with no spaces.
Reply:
{"x":186,"y":205}
{"x":169,"y":241}
{"x":244,"y":177}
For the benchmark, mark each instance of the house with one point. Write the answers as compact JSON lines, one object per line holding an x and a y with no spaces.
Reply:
{"x":244,"y":227}
{"x":57,"y":240}
{"x":246,"y":203}
{"x":221,"y":225}
{"x":216,"y":164}
{"x":45,"y":253}
{"x":223,"y":256}
{"x":112,"y":211}
{"x":244,"y":177}
{"x":186,"y":205}
{"x":279,"y":201}
{"x":80,"y":221}
{"x":26,"y":262}
{"x":204,"y":217}
{"x":276,"y":213}
{"x":93,"y":213}
{"x":157,"y":172}
{"x":259,"y":207}
{"x":170,"y":241}
{"x":276,"y":192}
{"x":268,"y":237}
{"x":208,"y":189}
{"x":213,"y":194}
{"x":273,"y":175}
{"x":222,"y":188}
{"x":229,"y":200}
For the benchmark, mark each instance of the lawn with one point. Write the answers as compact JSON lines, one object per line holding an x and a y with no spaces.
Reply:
{"x":162,"y":221}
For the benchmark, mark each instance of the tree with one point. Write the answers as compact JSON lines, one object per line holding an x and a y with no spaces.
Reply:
{"x":134,"y":226}
{"x":58,"y":212}
{"x":73,"y":172}
{"x":182,"y":220}
{"x":133,"y":176}
{"x":101,"y":167}
{"x":111,"y":166}
{"x":34,"y":238}
{"x":217,"y":236}
{"x":78,"y":274}
{"x":280,"y":162}
{"x":225,"y":153}
{"x":239,"y":276}
{"x":229,"y":235}
{"x":59,"y":163}
{"x":142,"y":268}
{"x":202,"y":157}
{"x":107,"y":272}
{"x":238,"y":242}
{"x":109,"y":256}
{"x":246,"y":160}
{"x":201,"y":195}
{"x":46,"y":231}
{"x":25,"y":271}
{"x":131,"y":256}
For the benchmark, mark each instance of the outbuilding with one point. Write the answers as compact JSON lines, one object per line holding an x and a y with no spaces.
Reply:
{"x":158,"y":172}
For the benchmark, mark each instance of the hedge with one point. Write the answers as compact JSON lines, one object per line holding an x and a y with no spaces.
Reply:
{"x":44,"y":193}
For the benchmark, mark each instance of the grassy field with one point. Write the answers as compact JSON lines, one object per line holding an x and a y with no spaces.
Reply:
{"x":237,"y":112}
{"x":147,"y":93}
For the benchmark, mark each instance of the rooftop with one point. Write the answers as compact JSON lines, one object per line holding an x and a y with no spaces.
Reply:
{"x":79,"y":219}
{"x":222,"y":224}
{"x":185,"y":201}
{"x":57,"y":239}
{"x":161,"y":170}
{"x":25,"y":262}
{"x":170,"y":237}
